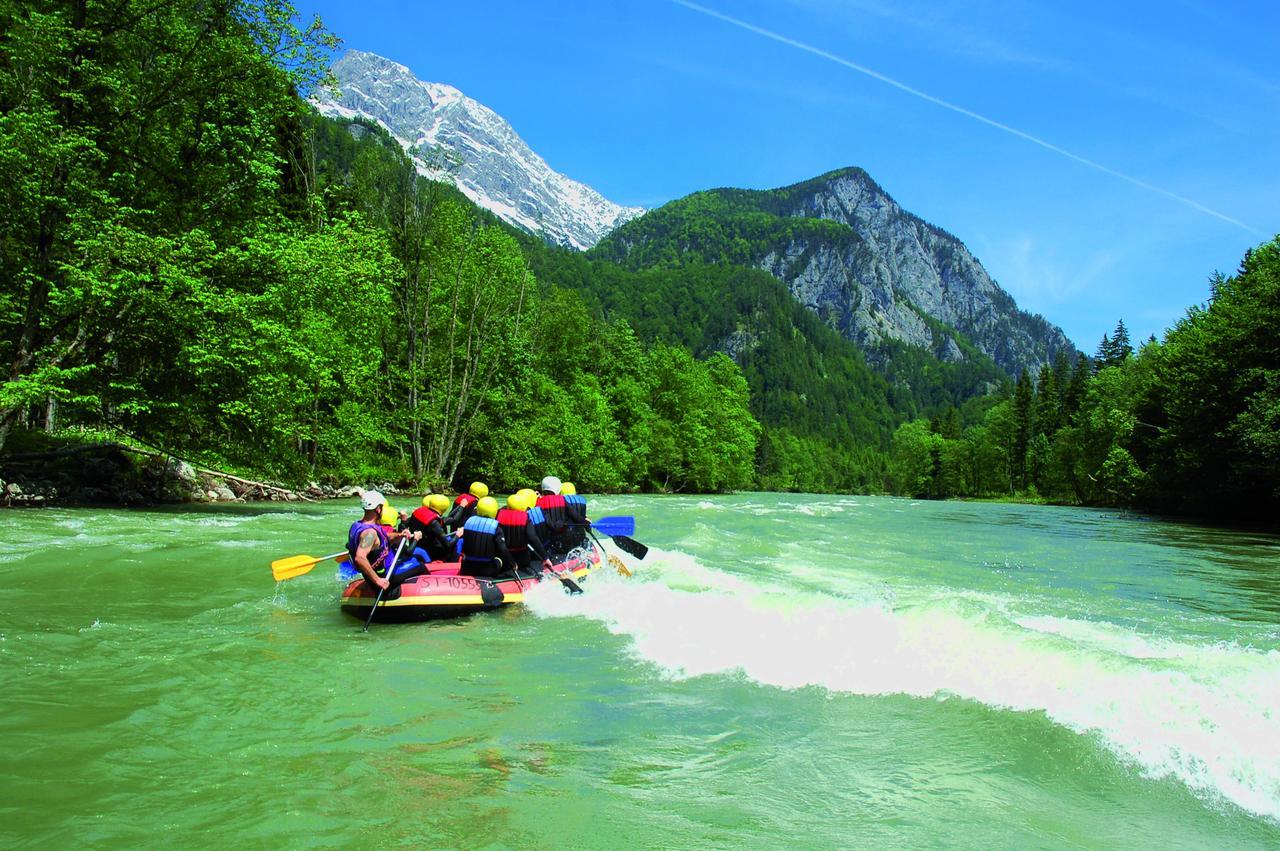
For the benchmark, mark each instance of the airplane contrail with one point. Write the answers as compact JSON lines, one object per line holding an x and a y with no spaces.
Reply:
{"x":1013,"y":131}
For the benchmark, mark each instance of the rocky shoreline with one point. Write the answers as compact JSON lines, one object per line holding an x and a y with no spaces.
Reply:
{"x":118,"y":475}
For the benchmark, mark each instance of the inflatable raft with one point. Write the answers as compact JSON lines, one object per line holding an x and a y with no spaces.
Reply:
{"x":444,"y":594}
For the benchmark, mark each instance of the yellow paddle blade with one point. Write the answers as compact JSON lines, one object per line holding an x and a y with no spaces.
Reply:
{"x":295,"y":566}
{"x":618,"y":565}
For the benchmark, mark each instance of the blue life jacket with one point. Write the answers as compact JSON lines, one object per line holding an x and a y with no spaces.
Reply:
{"x":576,"y":507}
{"x":538,"y":521}
{"x":478,"y":539}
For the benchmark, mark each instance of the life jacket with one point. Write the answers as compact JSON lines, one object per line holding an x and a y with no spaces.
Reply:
{"x":577,"y":508}
{"x":554,"y":509}
{"x":479,"y":545}
{"x":379,"y":555}
{"x":515,"y":527}
{"x":463,"y":507}
{"x":538,"y":522}
{"x":425,"y":516}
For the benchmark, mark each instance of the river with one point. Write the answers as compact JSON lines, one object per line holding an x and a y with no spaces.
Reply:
{"x":780,"y":671}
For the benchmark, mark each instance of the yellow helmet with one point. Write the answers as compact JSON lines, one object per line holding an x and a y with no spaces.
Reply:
{"x":516,"y":502}
{"x":529,"y":498}
{"x":487,"y":507}
{"x":389,"y":515}
{"x":479,"y":490}
{"x":439,"y":503}
{"x":567,"y":489}
{"x":426,"y":501}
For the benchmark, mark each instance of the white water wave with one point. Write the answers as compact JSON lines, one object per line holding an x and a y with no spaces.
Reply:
{"x":1202,"y":713}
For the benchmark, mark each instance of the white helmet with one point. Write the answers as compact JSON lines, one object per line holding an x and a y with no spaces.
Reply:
{"x":369,"y":500}
{"x":551,"y":485}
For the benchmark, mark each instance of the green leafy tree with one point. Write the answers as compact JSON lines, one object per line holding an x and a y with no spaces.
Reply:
{"x":159,"y":124}
{"x":1214,"y":399}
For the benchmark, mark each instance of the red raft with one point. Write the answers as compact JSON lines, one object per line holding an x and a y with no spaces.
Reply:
{"x":445,"y":594}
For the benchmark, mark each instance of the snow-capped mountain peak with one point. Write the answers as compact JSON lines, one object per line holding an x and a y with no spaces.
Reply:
{"x":454,"y":138}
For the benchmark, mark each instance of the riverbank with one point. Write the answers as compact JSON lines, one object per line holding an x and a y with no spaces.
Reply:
{"x":111,"y":473}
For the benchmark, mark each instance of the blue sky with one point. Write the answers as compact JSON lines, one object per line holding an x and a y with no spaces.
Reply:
{"x":649,"y":100}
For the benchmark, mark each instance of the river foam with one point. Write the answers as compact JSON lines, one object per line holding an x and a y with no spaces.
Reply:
{"x":1205,"y":714}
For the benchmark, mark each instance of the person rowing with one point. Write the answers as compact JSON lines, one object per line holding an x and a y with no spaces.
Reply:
{"x":373,"y":549}
{"x":520,"y":535}
{"x":576,"y":507}
{"x":465,"y":506}
{"x":426,"y":521}
{"x":484,"y":548}
{"x":555,"y":515}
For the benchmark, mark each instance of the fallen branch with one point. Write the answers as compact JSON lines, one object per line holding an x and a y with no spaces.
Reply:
{"x":261,"y":486}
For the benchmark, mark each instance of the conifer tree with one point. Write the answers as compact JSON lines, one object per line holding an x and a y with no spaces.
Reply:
{"x":1046,"y":403}
{"x":1022,"y":421}
{"x":1103,"y":356}
{"x":1121,"y":350}
{"x":1074,"y":394}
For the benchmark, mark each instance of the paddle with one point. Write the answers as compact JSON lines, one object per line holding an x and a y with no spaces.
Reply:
{"x":613,"y":526}
{"x":613,"y":560}
{"x":294,"y":566}
{"x":631,"y":545}
{"x":490,"y":594}
{"x":390,"y":571}
{"x":570,"y":587}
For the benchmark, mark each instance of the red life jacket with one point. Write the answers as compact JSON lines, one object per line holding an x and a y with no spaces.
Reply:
{"x":515,"y":527}
{"x":466,"y":500}
{"x":426,"y":516}
{"x":553,"y":508}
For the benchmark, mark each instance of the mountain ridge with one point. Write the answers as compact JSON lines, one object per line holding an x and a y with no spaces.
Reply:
{"x":458,"y":140}
{"x":850,"y":253}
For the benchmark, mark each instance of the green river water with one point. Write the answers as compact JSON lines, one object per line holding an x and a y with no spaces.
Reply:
{"x":798,"y":671}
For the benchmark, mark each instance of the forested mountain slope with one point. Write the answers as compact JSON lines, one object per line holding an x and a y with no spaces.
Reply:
{"x":848,"y":252}
{"x":828,"y":416}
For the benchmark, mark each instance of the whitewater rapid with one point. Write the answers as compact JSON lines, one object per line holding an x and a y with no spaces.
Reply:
{"x":1204,"y":713}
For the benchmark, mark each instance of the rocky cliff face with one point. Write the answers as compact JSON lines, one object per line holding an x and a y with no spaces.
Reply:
{"x":453,"y":138}
{"x":883,"y":275}
{"x":904,"y":267}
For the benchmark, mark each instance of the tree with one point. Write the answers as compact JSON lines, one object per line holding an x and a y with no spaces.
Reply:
{"x":1115,"y":350}
{"x":158,"y":124}
{"x":1045,"y":410}
{"x":912,"y":463}
{"x":1216,"y":382}
{"x":1075,"y":388}
{"x":1121,"y":349}
{"x":1103,"y":356}
{"x":1023,"y":425}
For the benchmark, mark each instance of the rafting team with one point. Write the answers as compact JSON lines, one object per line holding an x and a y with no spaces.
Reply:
{"x":493,"y":542}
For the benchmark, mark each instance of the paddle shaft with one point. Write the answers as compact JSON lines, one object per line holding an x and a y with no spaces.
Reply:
{"x":610,"y":526}
{"x":381,"y":591}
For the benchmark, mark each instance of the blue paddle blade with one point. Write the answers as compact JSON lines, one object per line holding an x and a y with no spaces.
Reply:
{"x":615,"y":526}
{"x":347,"y":571}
